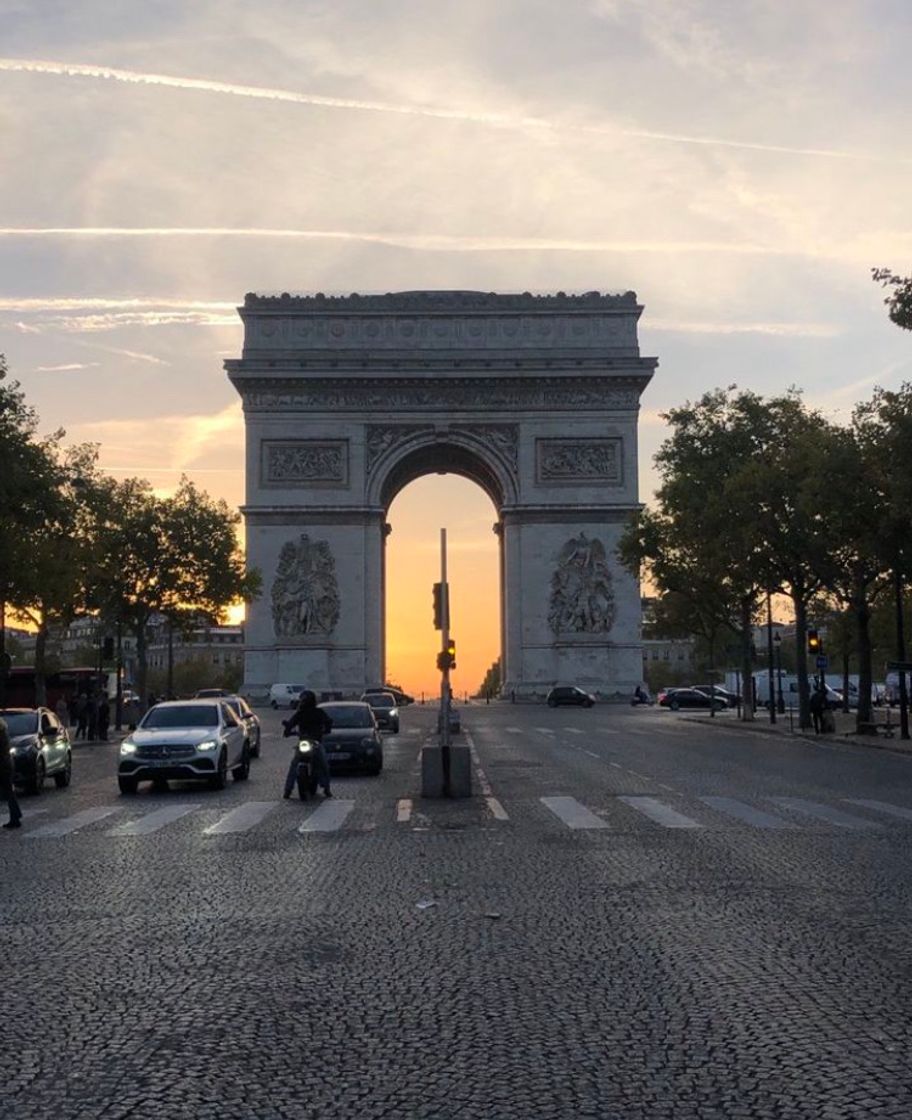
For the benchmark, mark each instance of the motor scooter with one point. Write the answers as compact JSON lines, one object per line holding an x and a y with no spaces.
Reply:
{"x":307,"y":769}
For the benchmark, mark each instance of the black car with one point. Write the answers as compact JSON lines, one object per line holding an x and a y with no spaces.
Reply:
{"x":39,"y":748}
{"x":690,"y":698}
{"x":570,"y":694}
{"x":385,"y":710}
{"x":720,"y":693}
{"x":354,"y":742}
{"x":402,"y":698}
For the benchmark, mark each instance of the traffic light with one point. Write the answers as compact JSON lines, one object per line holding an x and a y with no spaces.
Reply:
{"x":441,"y":606}
{"x":815,"y":645}
{"x":446,"y":659}
{"x":451,"y":653}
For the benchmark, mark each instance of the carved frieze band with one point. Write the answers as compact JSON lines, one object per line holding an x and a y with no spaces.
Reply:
{"x":304,"y":462}
{"x":419,"y":396}
{"x":501,"y":438}
{"x":390,"y":331}
{"x":578,"y":461}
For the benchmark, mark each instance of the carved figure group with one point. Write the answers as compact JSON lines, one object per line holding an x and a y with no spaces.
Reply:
{"x":582,"y":598}
{"x":305,"y":594}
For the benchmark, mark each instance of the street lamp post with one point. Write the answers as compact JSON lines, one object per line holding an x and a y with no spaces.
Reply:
{"x":780,"y":703}
{"x":769,"y":654}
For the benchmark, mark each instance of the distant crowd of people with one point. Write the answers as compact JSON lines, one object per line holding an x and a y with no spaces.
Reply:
{"x":88,"y":715}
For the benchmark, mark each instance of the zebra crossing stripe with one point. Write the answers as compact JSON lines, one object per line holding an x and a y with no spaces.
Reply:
{"x":74,"y":823}
{"x":241,"y":819}
{"x":152,"y":822}
{"x":881,"y":807}
{"x":823,"y":812}
{"x":659,"y":812}
{"x":329,"y":817}
{"x":515,"y":730}
{"x":573,"y":730}
{"x":572,"y":813}
{"x":544,"y":730}
{"x":747,"y":813}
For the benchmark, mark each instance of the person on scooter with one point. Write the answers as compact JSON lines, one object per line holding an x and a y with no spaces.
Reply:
{"x":311,"y":723}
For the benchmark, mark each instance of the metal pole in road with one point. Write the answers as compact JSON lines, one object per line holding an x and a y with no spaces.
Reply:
{"x":445,"y":669}
{"x":901,"y":655}
{"x":770,"y":668}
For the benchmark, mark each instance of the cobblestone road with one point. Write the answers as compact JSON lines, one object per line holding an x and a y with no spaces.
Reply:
{"x":637,"y":916}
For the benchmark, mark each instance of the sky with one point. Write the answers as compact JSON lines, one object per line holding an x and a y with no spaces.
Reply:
{"x":741,"y":166}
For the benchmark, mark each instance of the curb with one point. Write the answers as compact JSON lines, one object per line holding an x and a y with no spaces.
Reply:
{"x":874,"y":742}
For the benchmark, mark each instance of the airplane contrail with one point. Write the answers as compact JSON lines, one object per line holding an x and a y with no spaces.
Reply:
{"x":497,"y":120}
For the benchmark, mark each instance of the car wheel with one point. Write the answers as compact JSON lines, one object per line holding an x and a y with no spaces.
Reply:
{"x":395,"y":728}
{"x":127,"y":785}
{"x":304,"y":786}
{"x":35,"y":783}
{"x":220,"y":778}
{"x":242,"y":773}
{"x":588,"y":703}
{"x":62,"y":779}
{"x":274,"y":704}
{"x":255,"y":753}
{"x":552,"y":703}
{"x":674,"y":705}
{"x":376,"y":769}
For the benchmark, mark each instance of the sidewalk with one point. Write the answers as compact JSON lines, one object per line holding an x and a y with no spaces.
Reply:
{"x":845,"y":728}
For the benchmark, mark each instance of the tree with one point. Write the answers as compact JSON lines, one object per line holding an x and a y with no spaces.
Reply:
{"x":175,"y":556}
{"x":899,"y":301}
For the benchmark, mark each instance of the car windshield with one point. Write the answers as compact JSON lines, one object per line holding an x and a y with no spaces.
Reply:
{"x":181,"y":715}
{"x":21,"y":723}
{"x":355,"y":716}
{"x":380,"y":700}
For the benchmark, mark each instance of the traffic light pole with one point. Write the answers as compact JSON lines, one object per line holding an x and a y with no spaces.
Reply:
{"x":445,"y":671}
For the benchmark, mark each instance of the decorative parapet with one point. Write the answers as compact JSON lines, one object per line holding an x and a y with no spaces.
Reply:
{"x":446,"y":301}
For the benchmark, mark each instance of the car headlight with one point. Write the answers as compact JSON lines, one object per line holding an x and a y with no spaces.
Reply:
{"x":394,"y":713}
{"x":369,"y":743}
{"x":305,"y":746}
{"x":207,"y":745}
{"x":128,"y":747}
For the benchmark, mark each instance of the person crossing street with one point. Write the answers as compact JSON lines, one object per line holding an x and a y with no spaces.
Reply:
{"x":6,"y":779}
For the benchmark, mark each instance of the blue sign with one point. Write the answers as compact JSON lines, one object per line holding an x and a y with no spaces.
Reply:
{"x":822,"y":661}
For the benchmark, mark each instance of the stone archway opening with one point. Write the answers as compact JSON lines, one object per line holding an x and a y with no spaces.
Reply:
{"x":415,"y":515}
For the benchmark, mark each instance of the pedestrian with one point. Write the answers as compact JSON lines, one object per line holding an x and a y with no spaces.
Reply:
{"x":818,"y":707}
{"x":6,"y":778}
{"x":92,"y":717}
{"x":312,"y":723}
{"x":82,"y":716}
{"x":63,"y":711}
{"x":104,"y":717}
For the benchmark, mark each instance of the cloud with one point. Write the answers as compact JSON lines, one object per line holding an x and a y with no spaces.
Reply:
{"x":497,"y":120}
{"x":66,"y":367}
{"x":785,"y":330}
{"x":133,"y":355}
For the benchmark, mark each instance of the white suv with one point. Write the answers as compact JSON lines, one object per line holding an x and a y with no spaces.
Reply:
{"x":285,"y":695}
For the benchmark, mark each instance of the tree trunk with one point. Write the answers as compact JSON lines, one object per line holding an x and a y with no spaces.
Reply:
{"x":41,"y":639}
{"x":862,"y":612}
{"x":801,"y":661}
{"x":747,"y":676}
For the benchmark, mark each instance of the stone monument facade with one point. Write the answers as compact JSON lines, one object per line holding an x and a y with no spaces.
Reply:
{"x":348,"y":399}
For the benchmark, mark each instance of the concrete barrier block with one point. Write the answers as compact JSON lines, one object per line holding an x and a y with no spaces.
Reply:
{"x":432,"y":771}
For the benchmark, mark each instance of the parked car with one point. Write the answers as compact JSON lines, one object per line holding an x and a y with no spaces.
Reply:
{"x":690,"y":698}
{"x":385,"y":709}
{"x":195,"y":740}
{"x":569,"y":694}
{"x":730,"y":698}
{"x":39,"y":746}
{"x":210,"y":693}
{"x":355,"y":741}
{"x":249,"y":719}
{"x":402,"y":698}
{"x":285,"y":695}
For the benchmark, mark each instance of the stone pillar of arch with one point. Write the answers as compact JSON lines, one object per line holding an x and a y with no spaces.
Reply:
{"x":348,"y":399}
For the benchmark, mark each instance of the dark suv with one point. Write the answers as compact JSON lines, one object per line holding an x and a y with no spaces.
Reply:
{"x":570,"y":694}
{"x":39,"y":748}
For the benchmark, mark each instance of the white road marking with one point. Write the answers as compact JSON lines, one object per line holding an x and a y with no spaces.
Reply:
{"x":152,"y":822}
{"x":241,"y":819}
{"x":572,"y":813}
{"x":544,"y":730}
{"x":515,"y":730}
{"x":607,"y":731}
{"x":329,"y":817}
{"x":659,"y":812}
{"x":403,"y":810}
{"x":497,"y":810}
{"x":823,"y":812}
{"x":616,"y":765}
{"x":747,"y":813}
{"x":573,"y":730}
{"x":881,"y":807}
{"x":591,"y":754}
{"x":76,"y":821}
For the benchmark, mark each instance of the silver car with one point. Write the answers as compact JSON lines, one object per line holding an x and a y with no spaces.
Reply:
{"x":195,"y":740}
{"x":249,"y":719}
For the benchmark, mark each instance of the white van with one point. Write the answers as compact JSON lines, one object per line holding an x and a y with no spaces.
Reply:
{"x":285,"y":695}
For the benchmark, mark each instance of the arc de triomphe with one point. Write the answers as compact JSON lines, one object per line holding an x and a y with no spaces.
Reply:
{"x":348,"y":399}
